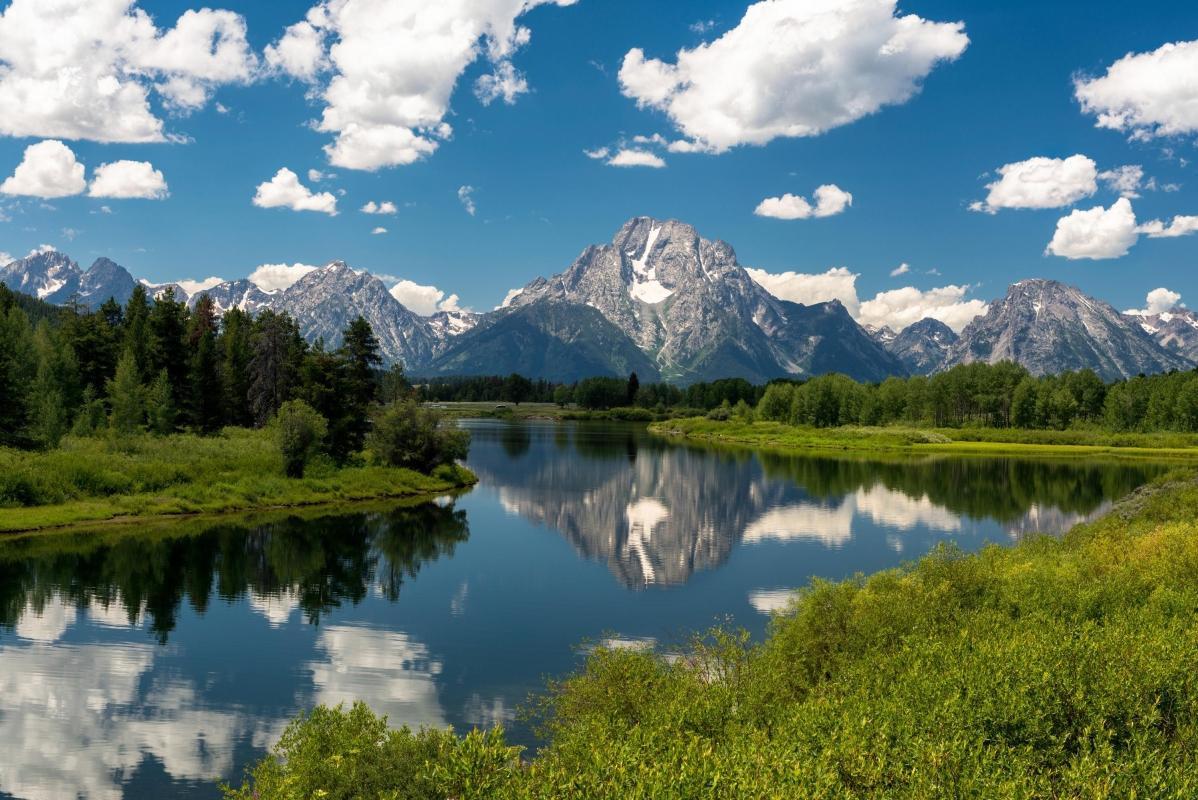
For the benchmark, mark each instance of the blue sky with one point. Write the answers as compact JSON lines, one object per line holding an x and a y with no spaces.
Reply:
{"x":913,"y":166}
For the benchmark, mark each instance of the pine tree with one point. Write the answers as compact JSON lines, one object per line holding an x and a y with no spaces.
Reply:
{"x":278,"y":352}
{"x":49,"y":419}
{"x":136,"y":338}
{"x":205,"y":397}
{"x":16,"y":374}
{"x":235,"y":354}
{"x":125,"y":398}
{"x":168,"y":344}
{"x":360,"y":351}
{"x":160,"y":407}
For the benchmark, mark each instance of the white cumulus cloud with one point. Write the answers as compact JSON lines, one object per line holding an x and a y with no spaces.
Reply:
{"x":899,"y":308}
{"x":193,"y":286}
{"x":379,"y":231}
{"x":1041,"y":183}
{"x":1158,"y":301}
{"x":896,"y":308}
{"x":272,"y":277}
{"x":386,"y":70}
{"x":1125,"y":180}
{"x":901,"y":269}
{"x":829,"y":201}
{"x":423,"y":300}
{"x":128,"y":179}
{"x":792,"y":68}
{"x":838,"y":283}
{"x":1146,"y":94}
{"x":1178,"y":226}
{"x":1096,"y":233}
{"x":385,"y":207}
{"x":510,"y":297}
{"x":84,"y":69}
{"x":48,"y":169}
{"x":284,"y":190}
{"x":632,"y":157}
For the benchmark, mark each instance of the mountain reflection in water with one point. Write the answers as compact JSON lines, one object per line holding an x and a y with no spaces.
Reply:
{"x":658,"y":519}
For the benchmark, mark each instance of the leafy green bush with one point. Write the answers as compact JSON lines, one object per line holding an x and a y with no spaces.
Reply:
{"x":407,"y":434}
{"x":336,"y":754}
{"x":300,"y":431}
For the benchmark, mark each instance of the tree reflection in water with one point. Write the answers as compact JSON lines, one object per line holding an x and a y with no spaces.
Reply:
{"x":319,"y":564}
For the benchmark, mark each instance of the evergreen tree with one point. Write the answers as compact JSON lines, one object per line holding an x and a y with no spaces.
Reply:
{"x":168,"y":344}
{"x":126,"y":399}
{"x":206,"y":396}
{"x":325,"y":387}
{"x":275,"y":363}
{"x":49,"y":420}
{"x":96,"y":345}
{"x":16,"y":374}
{"x":634,"y":386}
{"x":136,"y":338}
{"x":160,"y":407}
{"x":394,"y":385}
{"x":360,"y":352}
{"x":235,"y":354}
{"x":92,"y":415}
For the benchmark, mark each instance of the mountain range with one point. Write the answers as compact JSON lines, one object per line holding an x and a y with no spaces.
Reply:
{"x":668,"y":304}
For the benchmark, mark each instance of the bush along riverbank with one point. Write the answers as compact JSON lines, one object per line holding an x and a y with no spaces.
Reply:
{"x":410,"y":451}
{"x":1054,"y":668}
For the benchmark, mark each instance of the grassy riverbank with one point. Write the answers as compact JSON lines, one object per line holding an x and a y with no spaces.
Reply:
{"x":965,"y":441}
{"x":1054,"y":668}
{"x":94,"y":480}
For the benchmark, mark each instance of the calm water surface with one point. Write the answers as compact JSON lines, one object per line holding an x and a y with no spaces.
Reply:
{"x":159,"y":662}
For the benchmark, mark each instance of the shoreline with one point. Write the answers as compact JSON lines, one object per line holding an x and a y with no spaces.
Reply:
{"x":787,"y":439}
{"x":115,"y":511}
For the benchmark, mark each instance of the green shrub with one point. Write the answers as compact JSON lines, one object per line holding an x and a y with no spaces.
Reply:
{"x":300,"y":431}
{"x":407,"y":434}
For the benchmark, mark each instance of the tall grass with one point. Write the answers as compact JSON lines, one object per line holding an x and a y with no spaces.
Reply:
{"x":88,"y":479}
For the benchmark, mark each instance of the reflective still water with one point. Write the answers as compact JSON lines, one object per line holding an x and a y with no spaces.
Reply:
{"x":158,"y":662}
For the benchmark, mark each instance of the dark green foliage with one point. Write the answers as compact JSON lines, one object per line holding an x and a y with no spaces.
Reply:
{"x":406,"y":434}
{"x":301,"y":431}
{"x":205,"y":409}
{"x":17,"y":370}
{"x":599,"y":393}
{"x":517,"y":388}
{"x":235,"y":355}
{"x":275,"y":363}
{"x":126,"y":398}
{"x":168,"y":322}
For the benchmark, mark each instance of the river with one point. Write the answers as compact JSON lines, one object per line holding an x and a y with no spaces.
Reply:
{"x":158,"y":661}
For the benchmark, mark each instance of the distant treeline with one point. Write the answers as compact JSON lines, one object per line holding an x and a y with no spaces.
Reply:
{"x":999,"y":395}
{"x":154,"y":365}
{"x":589,"y":393}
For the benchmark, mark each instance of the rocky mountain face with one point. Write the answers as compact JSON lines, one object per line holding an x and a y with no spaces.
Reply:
{"x":242,"y":294}
{"x":326,"y":300}
{"x":1049,"y":327}
{"x":105,"y":279}
{"x":1175,"y":330}
{"x":48,"y":275}
{"x":694,"y":311}
{"x":550,"y":339}
{"x":447,"y":324}
{"x":922,"y":347}
{"x":52,"y":276}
